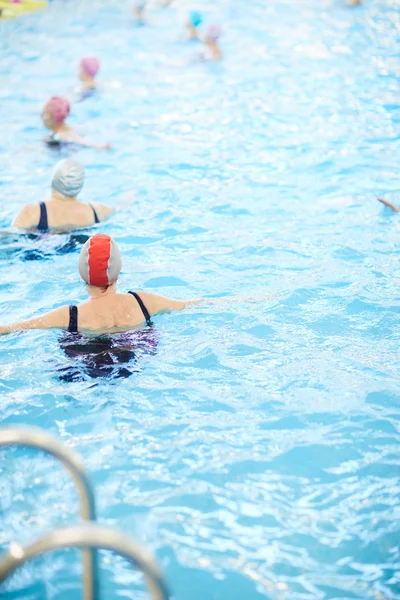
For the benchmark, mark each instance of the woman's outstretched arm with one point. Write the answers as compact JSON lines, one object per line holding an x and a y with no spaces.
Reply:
{"x":77,"y":139}
{"x":389,"y":204}
{"x":156,"y":304}
{"x":55,"y":319}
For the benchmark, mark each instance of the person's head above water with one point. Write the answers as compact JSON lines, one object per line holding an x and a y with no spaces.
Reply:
{"x":194,"y":18}
{"x":88,"y":67}
{"x":55,"y":111}
{"x":68,"y":178}
{"x":213,"y":33}
{"x":100,"y":261}
{"x":138,"y":10}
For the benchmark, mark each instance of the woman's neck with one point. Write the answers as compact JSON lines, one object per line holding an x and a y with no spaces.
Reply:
{"x":63,"y":127}
{"x":88,"y":84}
{"x":214,"y":49}
{"x":193,"y":35}
{"x":57,"y":197}
{"x":96,"y":293}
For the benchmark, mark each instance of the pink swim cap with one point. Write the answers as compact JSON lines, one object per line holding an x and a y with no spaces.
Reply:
{"x":90,"y":66}
{"x":58,"y":108}
{"x":213,"y":32}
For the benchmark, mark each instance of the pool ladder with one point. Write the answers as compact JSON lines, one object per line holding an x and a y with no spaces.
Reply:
{"x":87,"y":535}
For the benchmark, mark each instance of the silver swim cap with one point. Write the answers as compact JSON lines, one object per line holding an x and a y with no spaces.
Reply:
{"x":68,"y":178}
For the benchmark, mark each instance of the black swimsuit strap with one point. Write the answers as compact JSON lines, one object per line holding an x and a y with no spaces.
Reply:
{"x":73,"y":319}
{"x":144,"y":310}
{"x":43,"y":223}
{"x":96,"y":218}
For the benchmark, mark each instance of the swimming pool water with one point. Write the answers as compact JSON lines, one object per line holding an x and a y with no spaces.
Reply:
{"x":256,"y":451}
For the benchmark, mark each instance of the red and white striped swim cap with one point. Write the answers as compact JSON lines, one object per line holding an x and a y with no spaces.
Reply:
{"x":100,"y":261}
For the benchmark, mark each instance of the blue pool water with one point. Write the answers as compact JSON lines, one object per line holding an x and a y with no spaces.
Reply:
{"x":256,"y":449}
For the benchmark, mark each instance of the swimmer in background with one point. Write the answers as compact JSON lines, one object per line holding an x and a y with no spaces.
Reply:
{"x":54,"y":115}
{"x":63,"y":211}
{"x":88,"y":69}
{"x":138,"y":11}
{"x":194,"y":20}
{"x":212,"y":36}
{"x":354,"y":3}
{"x":106,"y":311}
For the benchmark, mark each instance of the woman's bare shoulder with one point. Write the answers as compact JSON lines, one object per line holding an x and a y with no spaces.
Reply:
{"x":156,"y":303}
{"x":28,"y":216}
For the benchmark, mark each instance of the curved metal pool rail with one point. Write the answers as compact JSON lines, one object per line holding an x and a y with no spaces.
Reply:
{"x":88,"y":535}
{"x":33,"y":437}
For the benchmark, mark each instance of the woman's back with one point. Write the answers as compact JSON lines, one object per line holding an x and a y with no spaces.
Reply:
{"x":111,"y":313}
{"x":61,"y":214}
{"x":71,"y":215}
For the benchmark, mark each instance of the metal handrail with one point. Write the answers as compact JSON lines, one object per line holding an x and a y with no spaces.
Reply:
{"x":33,"y":437}
{"x":88,"y":535}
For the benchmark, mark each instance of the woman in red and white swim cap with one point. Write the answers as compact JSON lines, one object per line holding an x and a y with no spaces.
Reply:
{"x":105,"y":311}
{"x":54,"y":116}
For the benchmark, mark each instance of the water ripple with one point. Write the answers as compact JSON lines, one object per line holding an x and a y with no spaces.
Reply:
{"x":256,"y":451}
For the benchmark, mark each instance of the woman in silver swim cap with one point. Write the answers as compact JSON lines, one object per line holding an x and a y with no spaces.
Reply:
{"x":63,"y":211}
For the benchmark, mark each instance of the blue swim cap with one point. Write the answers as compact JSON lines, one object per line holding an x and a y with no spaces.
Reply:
{"x":195,"y":18}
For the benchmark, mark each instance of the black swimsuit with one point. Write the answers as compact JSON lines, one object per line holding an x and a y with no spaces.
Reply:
{"x":43,"y":221}
{"x":52,"y":140}
{"x":73,"y":314}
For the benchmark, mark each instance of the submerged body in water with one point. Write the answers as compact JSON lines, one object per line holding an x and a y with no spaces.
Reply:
{"x":40,"y":246}
{"x":105,"y":356}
